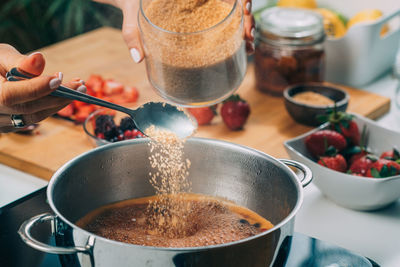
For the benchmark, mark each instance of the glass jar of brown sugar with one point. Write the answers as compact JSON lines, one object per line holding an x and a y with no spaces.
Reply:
{"x":289,"y":49}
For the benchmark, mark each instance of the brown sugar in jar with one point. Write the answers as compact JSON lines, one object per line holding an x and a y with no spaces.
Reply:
{"x":289,"y":49}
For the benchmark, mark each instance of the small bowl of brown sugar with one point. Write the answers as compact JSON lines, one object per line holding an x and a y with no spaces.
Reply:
{"x":307,"y":101}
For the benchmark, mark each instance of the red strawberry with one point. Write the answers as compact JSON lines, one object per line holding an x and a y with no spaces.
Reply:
{"x":393,"y":154}
{"x":357,"y":156}
{"x":383,"y":168}
{"x":343,"y":123}
{"x":203,"y":115}
{"x":235,"y":112}
{"x":67,"y":111}
{"x":112,"y":87}
{"x":337,"y":163}
{"x":318,"y":142}
{"x":83,"y":112}
{"x":362,"y":165}
{"x":94,"y":83}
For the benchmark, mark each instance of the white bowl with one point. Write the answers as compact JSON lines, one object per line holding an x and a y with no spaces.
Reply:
{"x":354,"y":192}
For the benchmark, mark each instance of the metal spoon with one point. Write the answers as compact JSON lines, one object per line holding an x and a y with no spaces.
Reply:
{"x":162,"y":115}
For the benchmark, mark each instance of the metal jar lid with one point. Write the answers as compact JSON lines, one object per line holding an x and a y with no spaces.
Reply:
{"x":291,"y":26}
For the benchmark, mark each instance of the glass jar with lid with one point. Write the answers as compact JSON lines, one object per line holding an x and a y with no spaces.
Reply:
{"x":289,"y":49}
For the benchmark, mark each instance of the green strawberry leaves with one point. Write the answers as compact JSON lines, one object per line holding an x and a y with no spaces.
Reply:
{"x":375,"y":173}
{"x":234,"y":98}
{"x":384,"y":172}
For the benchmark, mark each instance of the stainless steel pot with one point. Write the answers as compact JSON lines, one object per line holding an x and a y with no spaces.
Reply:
{"x":120,"y":171}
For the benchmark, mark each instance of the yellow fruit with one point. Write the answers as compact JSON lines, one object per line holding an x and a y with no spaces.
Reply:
{"x":333,"y":25}
{"x":297,"y":3}
{"x":368,"y":15}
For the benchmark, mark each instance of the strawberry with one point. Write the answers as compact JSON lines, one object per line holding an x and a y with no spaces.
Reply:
{"x":337,"y":162}
{"x":95,"y":83}
{"x":235,"y":112}
{"x":383,"y":168}
{"x":318,"y":142}
{"x":112,"y":87}
{"x":357,"y":156}
{"x":354,"y":153}
{"x":362,"y":165}
{"x":203,"y":115}
{"x":344,"y":124}
{"x":393,"y":154}
{"x":83,"y":112}
{"x":131,"y":94}
{"x":66,"y":111}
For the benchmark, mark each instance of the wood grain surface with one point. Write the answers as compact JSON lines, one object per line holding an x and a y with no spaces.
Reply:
{"x":104,"y":52}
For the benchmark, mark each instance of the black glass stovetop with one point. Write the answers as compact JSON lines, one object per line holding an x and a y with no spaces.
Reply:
{"x":305,"y":251}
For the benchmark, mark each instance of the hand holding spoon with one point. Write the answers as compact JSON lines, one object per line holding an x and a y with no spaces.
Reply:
{"x":162,"y":115}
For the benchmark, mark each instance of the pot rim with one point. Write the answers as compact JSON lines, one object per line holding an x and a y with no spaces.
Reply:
{"x":289,"y":217}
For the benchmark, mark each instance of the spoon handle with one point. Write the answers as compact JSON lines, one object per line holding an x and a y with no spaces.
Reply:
{"x":65,"y":92}
{"x":15,"y":75}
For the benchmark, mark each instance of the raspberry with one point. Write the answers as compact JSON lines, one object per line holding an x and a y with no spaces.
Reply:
{"x":128,"y":134}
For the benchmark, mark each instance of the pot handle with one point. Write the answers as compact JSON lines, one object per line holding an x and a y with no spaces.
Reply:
{"x":307,"y":173}
{"x":25,"y":233}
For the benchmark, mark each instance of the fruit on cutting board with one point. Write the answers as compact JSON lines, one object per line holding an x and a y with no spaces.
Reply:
{"x":333,"y":24}
{"x":235,"y":112}
{"x":297,"y":3}
{"x":106,"y":89}
{"x":203,"y":115}
{"x":367,"y":15}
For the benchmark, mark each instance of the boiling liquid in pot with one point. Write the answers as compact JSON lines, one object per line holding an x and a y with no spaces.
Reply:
{"x":207,"y":221}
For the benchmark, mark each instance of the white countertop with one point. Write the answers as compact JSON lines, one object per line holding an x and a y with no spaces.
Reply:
{"x":372,"y":234}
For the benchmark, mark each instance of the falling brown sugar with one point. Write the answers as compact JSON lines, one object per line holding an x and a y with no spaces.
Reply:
{"x":169,"y":178}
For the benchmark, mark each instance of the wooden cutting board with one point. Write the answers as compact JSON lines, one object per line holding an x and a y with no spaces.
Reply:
{"x":104,"y":52}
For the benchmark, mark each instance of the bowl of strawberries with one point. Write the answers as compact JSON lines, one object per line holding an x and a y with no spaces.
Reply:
{"x":355,"y":161}
{"x":108,"y":126}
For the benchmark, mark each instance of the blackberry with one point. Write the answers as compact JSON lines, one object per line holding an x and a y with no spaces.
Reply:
{"x":104,"y":123}
{"x":127,"y":124}
{"x":112,"y":134}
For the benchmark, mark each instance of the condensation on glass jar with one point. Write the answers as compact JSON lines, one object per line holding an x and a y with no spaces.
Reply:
{"x":289,"y":49}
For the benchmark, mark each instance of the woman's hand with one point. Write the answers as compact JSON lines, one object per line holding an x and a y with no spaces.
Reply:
{"x":130,"y":30}
{"x":29,"y":100}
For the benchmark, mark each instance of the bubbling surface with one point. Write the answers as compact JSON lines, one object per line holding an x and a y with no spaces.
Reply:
{"x":207,"y":221}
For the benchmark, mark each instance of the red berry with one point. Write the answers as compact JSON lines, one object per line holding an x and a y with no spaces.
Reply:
{"x":318,"y":142}
{"x":100,"y":135}
{"x":361,"y":165}
{"x":235,"y":112}
{"x":337,"y":163}
{"x":383,"y":168}
{"x":202,"y":115}
{"x":357,"y":156}
{"x":128,"y":134}
{"x":344,"y":124}
{"x":391,"y":154}
{"x":120,"y":137}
